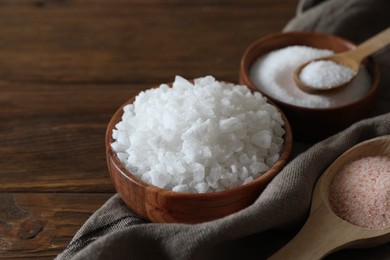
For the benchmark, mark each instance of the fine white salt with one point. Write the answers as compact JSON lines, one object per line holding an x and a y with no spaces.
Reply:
{"x":273,"y":75}
{"x":199,"y":137}
{"x":326,"y":74}
{"x":360,"y":192}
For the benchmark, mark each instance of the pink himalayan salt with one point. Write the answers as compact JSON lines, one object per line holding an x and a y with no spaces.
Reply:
{"x":360,"y":192}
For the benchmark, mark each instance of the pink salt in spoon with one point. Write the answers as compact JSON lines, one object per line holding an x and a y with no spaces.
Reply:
{"x":338,"y":70}
{"x":324,"y":232}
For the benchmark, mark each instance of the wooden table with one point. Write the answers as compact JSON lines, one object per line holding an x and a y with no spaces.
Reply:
{"x":66,"y":66}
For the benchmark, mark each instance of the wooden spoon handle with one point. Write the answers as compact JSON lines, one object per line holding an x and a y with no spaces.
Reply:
{"x":322,"y":234}
{"x":370,"y":46}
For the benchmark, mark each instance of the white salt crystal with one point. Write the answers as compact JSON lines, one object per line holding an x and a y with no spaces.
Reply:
{"x":198,"y":130}
{"x":247,"y":180}
{"x":262,"y":119}
{"x":179,"y":82}
{"x":122,"y":157}
{"x":230,"y":125}
{"x":243,"y":175}
{"x":190,"y":150}
{"x":198,"y":137}
{"x":262,"y":139}
{"x":256,"y":167}
{"x":244,"y":171}
{"x":118,"y":147}
{"x":216,"y":173}
{"x":145,"y":177}
{"x":244,"y":159}
{"x":199,"y":172}
{"x":272,"y":159}
{"x":178,"y":167}
{"x":225,"y":184}
{"x":273,"y":148}
{"x":207,"y":153}
{"x":160,"y":179}
{"x":115,"y":133}
{"x":233,"y":178}
{"x":325,"y":74}
{"x":202,"y":187}
{"x":155,"y":142}
{"x":205,"y":81}
{"x":169,"y":121}
{"x":181,"y":188}
{"x":122,"y":138}
{"x":159,"y":167}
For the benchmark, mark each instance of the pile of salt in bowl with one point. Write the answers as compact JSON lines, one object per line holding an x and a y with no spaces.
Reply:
{"x":273,"y":72}
{"x":360,"y":192}
{"x":199,"y":137}
{"x":325,"y":74}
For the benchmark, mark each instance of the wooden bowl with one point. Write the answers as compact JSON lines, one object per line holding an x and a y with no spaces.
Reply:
{"x":159,"y":205}
{"x":312,"y":124}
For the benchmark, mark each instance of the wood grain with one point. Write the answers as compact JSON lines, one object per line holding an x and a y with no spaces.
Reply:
{"x":122,"y":41}
{"x":42,"y":224}
{"x":65,"y":68}
{"x":52,"y":138}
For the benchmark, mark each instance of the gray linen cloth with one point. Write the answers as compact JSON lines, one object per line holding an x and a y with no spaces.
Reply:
{"x":114,"y":232}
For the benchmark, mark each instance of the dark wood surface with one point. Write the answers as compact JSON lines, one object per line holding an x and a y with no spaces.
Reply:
{"x":66,"y":66}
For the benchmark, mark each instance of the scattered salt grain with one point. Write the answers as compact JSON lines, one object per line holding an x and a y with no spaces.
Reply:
{"x":360,"y":192}
{"x":199,"y":137}
{"x":272,"y":74}
{"x":326,"y":74}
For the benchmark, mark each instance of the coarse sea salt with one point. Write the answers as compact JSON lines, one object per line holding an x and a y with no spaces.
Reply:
{"x":272,"y":74}
{"x":326,"y":74}
{"x":199,"y":137}
{"x":360,"y":192}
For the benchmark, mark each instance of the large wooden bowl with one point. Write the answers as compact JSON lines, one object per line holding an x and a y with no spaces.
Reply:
{"x":159,"y":205}
{"x":312,"y":124}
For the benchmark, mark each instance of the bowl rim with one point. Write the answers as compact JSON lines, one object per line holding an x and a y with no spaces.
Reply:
{"x":369,"y":62}
{"x":267,"y":176}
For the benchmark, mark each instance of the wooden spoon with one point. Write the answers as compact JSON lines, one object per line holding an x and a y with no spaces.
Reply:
{"x":351,"y":59}
{"x":324,"y":232}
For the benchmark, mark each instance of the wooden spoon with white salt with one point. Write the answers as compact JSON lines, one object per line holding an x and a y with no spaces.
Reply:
{"x":324,"y":232}
{"x":336,"y":71}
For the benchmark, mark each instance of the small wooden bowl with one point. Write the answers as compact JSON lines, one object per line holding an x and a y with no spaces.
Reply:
{"x":165,"y":206}
{"x":312,"y":124}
